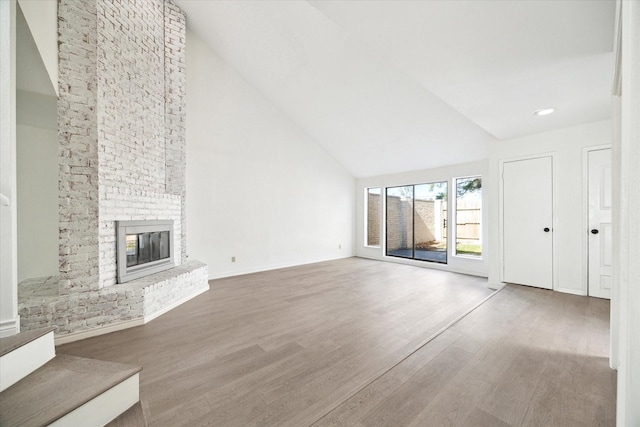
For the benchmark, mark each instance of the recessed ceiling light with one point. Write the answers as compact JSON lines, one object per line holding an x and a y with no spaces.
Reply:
{"x":544,"y":111}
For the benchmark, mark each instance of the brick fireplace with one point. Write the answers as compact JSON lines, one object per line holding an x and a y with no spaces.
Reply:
{"x":121,"y":133}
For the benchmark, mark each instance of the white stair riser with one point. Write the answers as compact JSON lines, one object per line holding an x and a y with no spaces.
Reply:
{"x":24,"y":360}
{"x":104,"y":408}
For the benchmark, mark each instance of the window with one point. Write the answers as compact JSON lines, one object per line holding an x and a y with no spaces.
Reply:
{"x":417,"y":222}
{"x":468,"y":214}
{"x":373,"y":212}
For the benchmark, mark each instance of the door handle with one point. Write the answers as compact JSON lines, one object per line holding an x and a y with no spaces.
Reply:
{"x":546,"y":229}
{"x":594,"y":231}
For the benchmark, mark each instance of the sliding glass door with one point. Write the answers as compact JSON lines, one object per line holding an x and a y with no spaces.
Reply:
{"x":400,"y":221}
{"x":416,"y":225}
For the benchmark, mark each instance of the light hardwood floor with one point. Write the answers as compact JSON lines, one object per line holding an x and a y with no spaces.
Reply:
{"x":526,"y":357}
{"x":327,"y":343}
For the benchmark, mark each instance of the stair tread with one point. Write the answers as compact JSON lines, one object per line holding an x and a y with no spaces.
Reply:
{"x":8,"y":344}
{"x":58,"y":387}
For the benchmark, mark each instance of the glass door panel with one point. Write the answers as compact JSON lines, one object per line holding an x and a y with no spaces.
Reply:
{"x":399,"y":202}
{"x":430,"y":222}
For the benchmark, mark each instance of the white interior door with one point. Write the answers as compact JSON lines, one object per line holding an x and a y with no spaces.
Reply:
{"x":527,"y":208}
{"x":600,"y":230}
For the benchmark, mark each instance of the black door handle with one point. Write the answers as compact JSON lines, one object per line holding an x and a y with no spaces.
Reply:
{"x":546,"y":229}
{"x":594,"y":231}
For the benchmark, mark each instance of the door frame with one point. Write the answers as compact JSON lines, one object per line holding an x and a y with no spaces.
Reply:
{"x":554,"y":174}
{"x":585,"y":211}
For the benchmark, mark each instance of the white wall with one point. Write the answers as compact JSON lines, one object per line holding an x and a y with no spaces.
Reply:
{"x":36,"y":141}
{"x":455,"y":263}
{"x":258,"y":188}
{"x":37,"y":160}
{"x":42,"y":18}
{"x":570,"y":234}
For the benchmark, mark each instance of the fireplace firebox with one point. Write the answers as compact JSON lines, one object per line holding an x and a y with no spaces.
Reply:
{"x":143,"y":248}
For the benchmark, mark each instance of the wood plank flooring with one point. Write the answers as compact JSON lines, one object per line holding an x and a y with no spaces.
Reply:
{"x":526,"y":357}
{"x":283,"y":347}
{"x":313,"y":345}
{"x":133,"y":417}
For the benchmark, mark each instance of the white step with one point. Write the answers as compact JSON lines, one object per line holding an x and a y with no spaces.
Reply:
{"x":23,"y":353}
{"x":71,"y":391}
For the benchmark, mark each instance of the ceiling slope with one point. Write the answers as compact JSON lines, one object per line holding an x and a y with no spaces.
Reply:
{"x":391,"y":86}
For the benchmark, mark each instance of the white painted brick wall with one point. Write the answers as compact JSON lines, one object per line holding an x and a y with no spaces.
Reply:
{"x":121,"y":120}
{"x":131,"y":95}
{"x":133,"y":150}
{"x":86,"y":310}
{"x":78,"y":154}
{"x":175,"y":113}
{"x":123,"y":139}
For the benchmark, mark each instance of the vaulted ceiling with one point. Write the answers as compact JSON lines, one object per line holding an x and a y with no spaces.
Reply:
{"x":391,"y":86}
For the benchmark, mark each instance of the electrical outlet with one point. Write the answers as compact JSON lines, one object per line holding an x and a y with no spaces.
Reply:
{"x":233,"y":259}
{"x":340,"y":246}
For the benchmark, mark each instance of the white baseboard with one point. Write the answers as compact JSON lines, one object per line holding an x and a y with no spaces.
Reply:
{"x":272,"y":267}
{"x":101,"y":330}
{"x":9,"y":328}
{"x":150,"y":317}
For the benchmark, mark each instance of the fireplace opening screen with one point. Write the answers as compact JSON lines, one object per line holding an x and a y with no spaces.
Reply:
{"x":143,"y":248}
{"x":147,"y":247}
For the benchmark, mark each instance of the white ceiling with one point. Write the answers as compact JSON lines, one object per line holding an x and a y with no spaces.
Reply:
{"x":392,"y":86}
